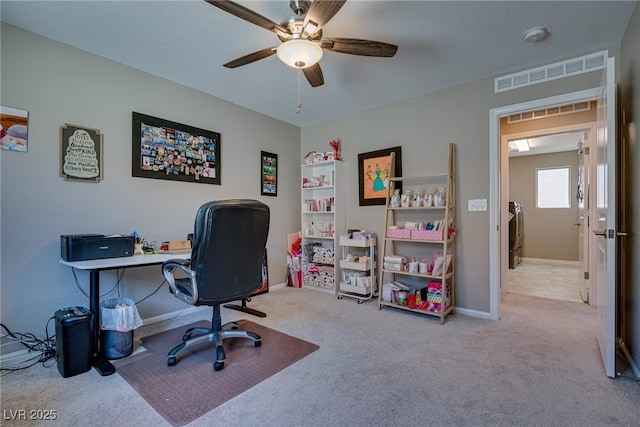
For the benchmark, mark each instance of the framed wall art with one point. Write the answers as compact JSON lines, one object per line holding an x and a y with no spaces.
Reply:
{"x":80,"y":153}
{"x":374,"y":170}
{"x":164,"y":149}
{"x":268,"y":174}
{"x":14,"y":129}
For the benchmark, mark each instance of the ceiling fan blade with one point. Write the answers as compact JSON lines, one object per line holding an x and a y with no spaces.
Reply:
{"x":360,"y":47}
{"x":252,"y":57}
{"x":249,"y":16}
{"x":321,"y":11}
{"x":314,"y":75}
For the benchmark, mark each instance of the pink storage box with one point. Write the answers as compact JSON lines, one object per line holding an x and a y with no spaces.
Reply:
{"x":399,"y":233}
{"x":426,"y":234}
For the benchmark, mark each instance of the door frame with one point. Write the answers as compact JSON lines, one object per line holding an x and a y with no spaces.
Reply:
{"x":607,"y":209}
{"x":586,"y":127}
{"x":498,"y":236}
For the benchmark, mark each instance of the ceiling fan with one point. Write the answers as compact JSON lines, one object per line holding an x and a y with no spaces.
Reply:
{"x":301,"y":36}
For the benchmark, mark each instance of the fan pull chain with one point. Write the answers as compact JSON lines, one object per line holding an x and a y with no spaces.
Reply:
{"x":299,"y":107}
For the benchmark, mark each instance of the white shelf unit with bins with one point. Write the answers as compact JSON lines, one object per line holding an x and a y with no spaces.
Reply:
{"x":323,"y":220}
{"x":404,"y":244}
{"x":358,"y":277}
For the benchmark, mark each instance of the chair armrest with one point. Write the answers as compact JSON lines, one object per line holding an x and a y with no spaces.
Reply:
{"x":168,"y":268}
{"x":177,"y":262}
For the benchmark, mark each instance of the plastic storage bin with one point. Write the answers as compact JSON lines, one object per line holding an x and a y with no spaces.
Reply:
{"x":118,"y":318}
{"x":115,"y":344}
{"x":399,"y":233}
{"x":427,"y":234}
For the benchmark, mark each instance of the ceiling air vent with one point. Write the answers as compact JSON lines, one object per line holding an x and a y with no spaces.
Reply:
{"x":548,"y":112}
{"x":558,"y":70}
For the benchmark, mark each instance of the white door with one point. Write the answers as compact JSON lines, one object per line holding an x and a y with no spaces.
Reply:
{"x":605,"y":220}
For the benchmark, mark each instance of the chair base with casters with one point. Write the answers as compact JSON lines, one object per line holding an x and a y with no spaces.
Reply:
{"x":216,"y":334}
{"x":226,"y":265}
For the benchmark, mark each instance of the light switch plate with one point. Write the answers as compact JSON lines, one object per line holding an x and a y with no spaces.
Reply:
{"x":477,"y":205}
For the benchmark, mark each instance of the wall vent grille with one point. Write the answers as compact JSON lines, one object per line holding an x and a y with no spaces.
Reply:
{"x":558,"y":70}
{"x":549,"y":112}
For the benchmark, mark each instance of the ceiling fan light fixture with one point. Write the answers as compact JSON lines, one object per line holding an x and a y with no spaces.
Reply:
{"x":299,"y":53}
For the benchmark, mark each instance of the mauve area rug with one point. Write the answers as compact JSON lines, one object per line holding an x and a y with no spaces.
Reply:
{"x":191,"y":388}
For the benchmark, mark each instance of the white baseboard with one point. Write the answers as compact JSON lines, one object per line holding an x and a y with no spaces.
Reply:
{"x":473,"y":313}
{"x":171,"y":315}
{"x":551,"y":261}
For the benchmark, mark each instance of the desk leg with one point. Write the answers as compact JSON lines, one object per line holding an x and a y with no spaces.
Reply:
{"x":102,"y":365}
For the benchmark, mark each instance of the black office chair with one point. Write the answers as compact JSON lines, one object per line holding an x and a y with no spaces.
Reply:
{"x":226,"y":265}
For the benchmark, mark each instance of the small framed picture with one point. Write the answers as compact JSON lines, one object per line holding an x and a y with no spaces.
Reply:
{"x":374,"y":170}
{"x":268,"y":174}
{"x":14,"y":127}
{"x":80,"y":153}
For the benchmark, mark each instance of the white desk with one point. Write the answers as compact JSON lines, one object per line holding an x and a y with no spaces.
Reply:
{"x":122,"y":262}
{"x":94,"y":267}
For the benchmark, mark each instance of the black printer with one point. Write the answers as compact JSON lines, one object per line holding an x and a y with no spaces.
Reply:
{"x":82,"y":247}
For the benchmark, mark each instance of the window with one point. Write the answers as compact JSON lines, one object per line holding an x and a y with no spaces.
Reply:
{"x":553,"y":188}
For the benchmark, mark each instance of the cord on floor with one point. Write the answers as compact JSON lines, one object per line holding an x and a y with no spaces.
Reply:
{"x":44,"y":349}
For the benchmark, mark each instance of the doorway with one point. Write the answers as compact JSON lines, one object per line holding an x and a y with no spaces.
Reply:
{"x":545,"y":177}
{"x":604,"y":258}
{"x":498,"y":196}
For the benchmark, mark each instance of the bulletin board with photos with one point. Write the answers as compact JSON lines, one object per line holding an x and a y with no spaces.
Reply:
{"x":164,"y":149}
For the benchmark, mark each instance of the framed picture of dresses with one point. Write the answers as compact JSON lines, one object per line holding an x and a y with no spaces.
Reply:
{"x":164,"y":149}
{"x":374,"y":170}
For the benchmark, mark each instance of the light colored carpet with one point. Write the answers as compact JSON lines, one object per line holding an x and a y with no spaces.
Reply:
{"x":538,"y":366}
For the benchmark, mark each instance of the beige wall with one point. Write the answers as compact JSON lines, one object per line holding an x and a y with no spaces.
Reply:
{"x":539,"y":235}
{"x":59,"y":84}
{"x":423,"y":127}
{"x":548,"y":233}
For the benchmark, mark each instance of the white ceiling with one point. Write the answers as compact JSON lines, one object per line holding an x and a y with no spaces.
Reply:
{"x":440,"y":45}
{"x":553,"y":143}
